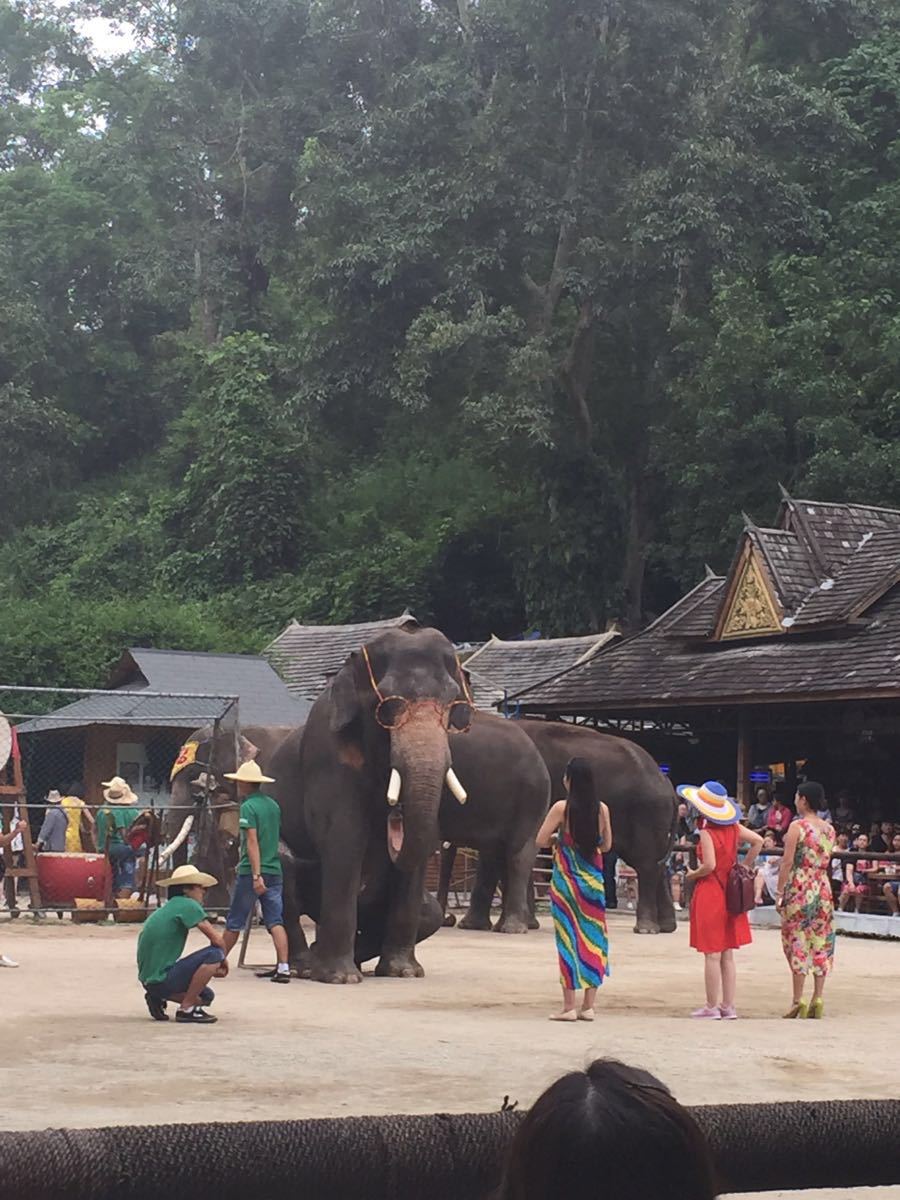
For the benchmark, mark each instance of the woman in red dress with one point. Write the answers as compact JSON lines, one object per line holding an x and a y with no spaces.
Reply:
{"x":715,"y":932}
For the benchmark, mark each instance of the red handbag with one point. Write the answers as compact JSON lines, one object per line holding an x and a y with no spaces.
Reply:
{"x":739,"y":891}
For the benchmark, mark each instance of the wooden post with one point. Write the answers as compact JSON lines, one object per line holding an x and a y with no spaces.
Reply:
{"x":744,"y":761}
{"x":13,"y":795}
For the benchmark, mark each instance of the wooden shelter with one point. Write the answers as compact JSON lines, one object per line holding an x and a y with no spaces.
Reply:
{"x":792,"y":657}
{"x":499,"y":669}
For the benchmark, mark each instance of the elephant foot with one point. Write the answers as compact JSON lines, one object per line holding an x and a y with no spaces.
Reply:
{"x":480,"y":924}
{"x":511,"y":925}
{"x":449,"y":921}
{"x":399,"y":966}
{"x":341,"y":970}
{"x":668,"y":925}
{"x":646,"y":927}
{"x":533,"y":923}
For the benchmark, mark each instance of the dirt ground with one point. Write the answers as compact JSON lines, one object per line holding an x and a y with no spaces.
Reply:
{"x":474,"y":1030}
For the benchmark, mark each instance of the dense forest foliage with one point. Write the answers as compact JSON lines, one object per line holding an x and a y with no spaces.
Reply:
{"x":502,"y":310}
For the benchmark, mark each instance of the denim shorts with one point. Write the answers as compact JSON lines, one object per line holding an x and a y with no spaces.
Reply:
{"x":271,"y":902}
{"x":178,"y":980}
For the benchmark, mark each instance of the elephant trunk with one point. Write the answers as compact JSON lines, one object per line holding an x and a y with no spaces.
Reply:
{"x":421,"y":757}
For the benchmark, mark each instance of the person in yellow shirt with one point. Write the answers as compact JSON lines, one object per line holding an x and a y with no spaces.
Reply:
{"x":74,"y":807}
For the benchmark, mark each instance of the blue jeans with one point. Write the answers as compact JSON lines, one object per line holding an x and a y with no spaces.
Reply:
{"x":122,"y":858}
{"x":180,"y":974}
{"x":271,"y":901}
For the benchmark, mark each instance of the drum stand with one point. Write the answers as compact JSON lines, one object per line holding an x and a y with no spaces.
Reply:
{"x":12,"y":794}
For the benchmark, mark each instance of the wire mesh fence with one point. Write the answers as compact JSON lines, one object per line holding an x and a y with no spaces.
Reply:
{"x":106,"y":761}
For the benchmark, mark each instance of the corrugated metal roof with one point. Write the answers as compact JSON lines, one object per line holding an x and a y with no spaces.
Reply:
{"x":262,"y":697}
{"x":305,"y":655}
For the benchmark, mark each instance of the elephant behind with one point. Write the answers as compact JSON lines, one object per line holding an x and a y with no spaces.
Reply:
{"x":642,"y":806}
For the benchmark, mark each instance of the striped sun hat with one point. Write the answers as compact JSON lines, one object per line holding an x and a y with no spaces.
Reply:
{"x":712,"y":801}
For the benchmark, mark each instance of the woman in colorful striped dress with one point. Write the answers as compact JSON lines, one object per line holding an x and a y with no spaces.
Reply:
{"x":577,"y":896}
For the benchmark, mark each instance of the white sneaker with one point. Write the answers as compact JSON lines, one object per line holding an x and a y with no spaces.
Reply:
{"x":7,"y":962}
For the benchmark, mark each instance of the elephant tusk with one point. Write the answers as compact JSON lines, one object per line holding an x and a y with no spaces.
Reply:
{"x":456,"y":787}
{"x":393,"y":792}
{"x":179,"y":840}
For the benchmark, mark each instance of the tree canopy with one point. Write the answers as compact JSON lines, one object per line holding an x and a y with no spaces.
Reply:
{"x":503,"y":311}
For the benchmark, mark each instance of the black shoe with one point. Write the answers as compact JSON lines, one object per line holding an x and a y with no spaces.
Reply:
{"x":156,"y":1007}
{"x":196,"y":1016}
{"x":281,"y":977}
{"x":266,"y":974}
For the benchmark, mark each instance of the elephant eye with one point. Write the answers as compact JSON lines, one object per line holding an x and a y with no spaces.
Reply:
{"x":459,"y":716}
{"x":391,"y":712}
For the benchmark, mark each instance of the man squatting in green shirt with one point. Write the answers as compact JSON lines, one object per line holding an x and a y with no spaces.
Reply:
{"x":259,"y":871}
{"x":164,"y":974}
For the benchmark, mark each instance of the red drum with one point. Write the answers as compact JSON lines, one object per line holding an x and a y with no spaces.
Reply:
{"x":62,"y":877}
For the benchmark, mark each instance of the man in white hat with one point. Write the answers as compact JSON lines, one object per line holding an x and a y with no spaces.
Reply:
{"x":259,"y":870}
{"x":161,"y":969}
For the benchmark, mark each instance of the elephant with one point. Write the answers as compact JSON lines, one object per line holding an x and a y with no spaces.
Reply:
{"x":504,"y":812}
{"x":217,"y":839}
{"x":642,"y":805}
{"x":215,"y":826}
{"x":371,"y":784}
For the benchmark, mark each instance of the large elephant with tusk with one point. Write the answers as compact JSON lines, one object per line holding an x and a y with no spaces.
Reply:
{"x":374,"y":781}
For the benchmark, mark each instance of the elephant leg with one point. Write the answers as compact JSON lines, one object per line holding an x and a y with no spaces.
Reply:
{"x":514,"y":917}
{"x":487,"y":875}
{"x":298,"y":948}
{"x":398,"y":959}
{"x":448,"y":859}
{"x":648,"y":885}
{"x":331,"y":958}
{"x":665,"y":909}
{"x":533,"y":922}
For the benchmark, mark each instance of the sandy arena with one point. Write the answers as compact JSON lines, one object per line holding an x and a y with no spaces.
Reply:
{"x":473,"y":1031}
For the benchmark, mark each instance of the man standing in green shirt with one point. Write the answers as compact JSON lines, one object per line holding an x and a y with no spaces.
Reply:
{"x":164,"y":974}
{"x":259,"y":871}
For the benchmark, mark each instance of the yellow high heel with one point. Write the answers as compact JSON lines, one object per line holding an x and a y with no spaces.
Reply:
{"x":816,"y":1009}
{"x":800,"y":1009}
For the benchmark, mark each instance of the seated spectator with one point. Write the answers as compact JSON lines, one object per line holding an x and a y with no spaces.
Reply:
{"x":856,"y":877}
{"x":891,"y":887}
{"x":758,"y":815}
{"x":766,"y":882}
{"x":839,"y":867}
{"x":610,"y":1131}
{"x":844,"y":814}
{"x":882,"y":836}
{"x":779,"y":818}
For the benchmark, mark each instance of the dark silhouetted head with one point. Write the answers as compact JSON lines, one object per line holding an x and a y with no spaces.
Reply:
{"x":583,"y":806}
{"x":610,"y":1131}
{"x":810,"y":796}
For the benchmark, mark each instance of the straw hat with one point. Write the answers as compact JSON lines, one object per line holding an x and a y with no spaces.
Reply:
{"x":249,"y":772}
{"x":188,"y":876}
{"x":711,"y":801}
{"x":53,"y":797}
{"x":117,"y":791}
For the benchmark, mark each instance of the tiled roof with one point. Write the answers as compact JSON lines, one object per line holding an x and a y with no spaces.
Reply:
{"x":305,"y":655}
{"x":829,"y":564}
{"x":695,"y":614}
{"x":653,"y":670}
{"x":262,"y":698}
{"x":511,"y":666}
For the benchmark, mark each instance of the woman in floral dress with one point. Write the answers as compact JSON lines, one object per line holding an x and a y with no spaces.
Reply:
{"x":803,"y":897}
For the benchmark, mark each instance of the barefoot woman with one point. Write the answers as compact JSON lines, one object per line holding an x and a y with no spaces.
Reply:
{"x":577,"y":896}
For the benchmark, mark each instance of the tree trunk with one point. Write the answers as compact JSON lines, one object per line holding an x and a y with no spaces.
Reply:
{"x":636,"y":539}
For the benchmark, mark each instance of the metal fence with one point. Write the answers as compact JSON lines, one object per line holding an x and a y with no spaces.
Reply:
{"x":71,"y":741}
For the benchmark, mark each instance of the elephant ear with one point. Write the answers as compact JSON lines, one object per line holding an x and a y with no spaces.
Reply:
{"x":247,"y":752}
{"x":344,"y":696}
